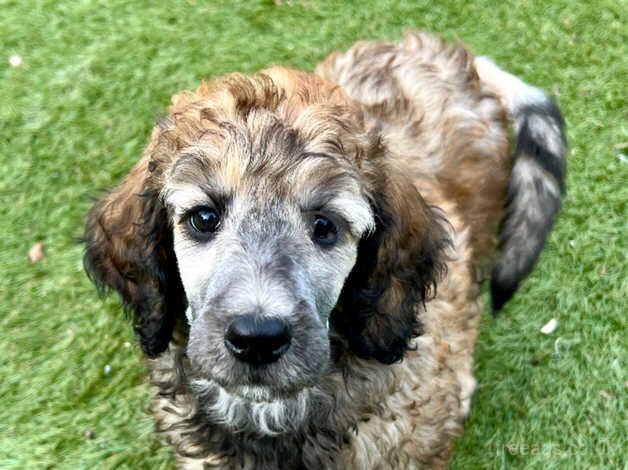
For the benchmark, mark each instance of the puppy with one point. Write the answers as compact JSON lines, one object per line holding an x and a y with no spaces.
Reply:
{"x":304,"y":253}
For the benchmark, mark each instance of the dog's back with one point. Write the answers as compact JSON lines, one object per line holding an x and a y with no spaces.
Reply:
{"x":449,"y":116}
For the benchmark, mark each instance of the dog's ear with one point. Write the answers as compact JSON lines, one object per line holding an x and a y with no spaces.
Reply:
{"x":129,"y":248}
{"x":397,"y":269}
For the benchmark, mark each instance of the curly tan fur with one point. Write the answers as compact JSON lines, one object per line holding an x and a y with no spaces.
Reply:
{"x":410,"y":128}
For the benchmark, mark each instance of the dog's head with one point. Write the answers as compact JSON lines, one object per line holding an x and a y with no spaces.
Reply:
{"x":267,"y":211}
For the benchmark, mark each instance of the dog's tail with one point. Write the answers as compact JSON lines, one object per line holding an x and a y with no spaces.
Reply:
{"x":537,"y":181}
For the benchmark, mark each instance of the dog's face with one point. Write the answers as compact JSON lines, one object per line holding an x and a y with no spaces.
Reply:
{"x":265,"y":210}
{"x":266,"y":230}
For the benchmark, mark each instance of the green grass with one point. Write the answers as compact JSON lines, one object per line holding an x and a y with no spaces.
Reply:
{"x":74,"y":118}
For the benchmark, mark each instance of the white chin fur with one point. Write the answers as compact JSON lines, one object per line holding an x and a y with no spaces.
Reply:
{"x":254,"y":410}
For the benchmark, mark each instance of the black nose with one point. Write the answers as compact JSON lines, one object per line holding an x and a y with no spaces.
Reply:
{"x":257,"y":340}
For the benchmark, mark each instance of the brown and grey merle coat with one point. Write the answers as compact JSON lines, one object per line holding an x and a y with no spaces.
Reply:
{"x":304,"y":252}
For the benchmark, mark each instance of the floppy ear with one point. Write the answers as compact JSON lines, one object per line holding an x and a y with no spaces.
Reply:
{"x":129,"y":248}
{"x":397,"y":268}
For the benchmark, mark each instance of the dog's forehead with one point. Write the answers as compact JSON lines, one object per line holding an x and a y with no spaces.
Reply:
{"x":264,"y":155}
{"x":270,"y":175}
{"x":267,"y":163}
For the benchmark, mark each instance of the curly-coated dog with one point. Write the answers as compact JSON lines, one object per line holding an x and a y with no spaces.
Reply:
{"x":304,"y":253}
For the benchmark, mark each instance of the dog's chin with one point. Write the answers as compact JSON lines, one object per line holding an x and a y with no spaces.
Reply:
{"x":253,"y":409}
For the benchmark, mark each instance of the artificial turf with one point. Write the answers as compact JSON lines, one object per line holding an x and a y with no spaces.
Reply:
{"x":76,"y":112}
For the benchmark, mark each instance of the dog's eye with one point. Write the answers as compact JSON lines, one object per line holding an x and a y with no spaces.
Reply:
{"x":204,"y":221}
{"x":324,"y":231}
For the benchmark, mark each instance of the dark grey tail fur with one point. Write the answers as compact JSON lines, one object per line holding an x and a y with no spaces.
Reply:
{"x":534,"y":192}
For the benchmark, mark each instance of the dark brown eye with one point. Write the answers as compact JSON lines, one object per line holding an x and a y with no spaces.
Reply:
{"x":203,"y":221}
{"x":324,"y":231}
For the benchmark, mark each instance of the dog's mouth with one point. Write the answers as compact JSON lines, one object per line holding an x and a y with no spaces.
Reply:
{"x":258,"y":387}
{"x":253,"y":409}
{"x":261,"y":394}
